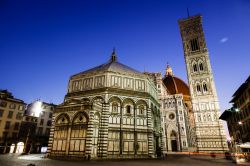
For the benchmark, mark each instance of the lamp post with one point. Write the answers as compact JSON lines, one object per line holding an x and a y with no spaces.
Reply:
{"x":26,"y":142}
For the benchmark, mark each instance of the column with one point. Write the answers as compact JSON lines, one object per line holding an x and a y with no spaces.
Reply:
{"x":103,"y":132}
{"x":150,"y":133}
{"x":88,"y":147}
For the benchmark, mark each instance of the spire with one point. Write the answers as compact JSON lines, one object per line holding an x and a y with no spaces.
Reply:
{"x":169,"y":71}
{"x":113,"y":56}
{"x":188,"y":12}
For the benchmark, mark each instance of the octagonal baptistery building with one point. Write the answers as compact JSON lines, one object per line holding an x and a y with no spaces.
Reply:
{"x":110,"y":111}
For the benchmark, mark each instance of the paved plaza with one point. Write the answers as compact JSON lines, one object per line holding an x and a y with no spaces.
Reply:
{"x":171,"y":160}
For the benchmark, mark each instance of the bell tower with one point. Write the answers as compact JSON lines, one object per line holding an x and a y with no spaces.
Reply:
{"x":210,"y":133}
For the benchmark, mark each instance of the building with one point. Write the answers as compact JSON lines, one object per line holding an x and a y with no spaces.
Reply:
{"x":210,"y":135}
{"x":27,"y":135}
{"x":176,"y":112}
{"x":36,"y":126}
{"x":238,"y":117}
{"x":11,"y":113}
{"x":110,"y":111}
{"x":114,"y":111}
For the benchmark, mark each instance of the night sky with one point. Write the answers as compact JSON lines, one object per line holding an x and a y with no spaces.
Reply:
{"x":43,"y":43}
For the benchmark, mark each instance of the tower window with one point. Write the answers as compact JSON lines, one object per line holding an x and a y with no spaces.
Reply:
{"x":201,"y":67}
{"x":205,"y":87}
{"x":194,"y":44}
{"x":195,"y":68}
{"x":198,"y":88}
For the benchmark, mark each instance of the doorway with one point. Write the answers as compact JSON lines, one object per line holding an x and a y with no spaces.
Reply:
{"x":174,"y":145}
{"x":173,"y":137}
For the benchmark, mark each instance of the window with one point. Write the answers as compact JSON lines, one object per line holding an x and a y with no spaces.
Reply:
{"x":141,"y":110}
{"x":20,"y":107}
{"x":198,"y":88}
{"x":194,"y":44}
{"x":7,"y":125}
{"x":41,"y":122}
{"x":49,"y":123}
{"x":171,"y":116}
{"x":5,"y":135}
{"x":19,"y":116}
{"x":50,"y":114}
{"x":128,"y":109}
{"x":201,"y":67}
{"x":10,"y":114}
{"x":205,"y":87}
{"x":16,"y":127}
{"x":1,"y":113}
{"x":12,"y":106}
{"x":115,"y":108}
{"x":195,"y":68}
{"x":3,"y":104}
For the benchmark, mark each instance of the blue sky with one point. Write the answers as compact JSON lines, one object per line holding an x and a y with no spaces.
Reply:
{"x":43,"y":43}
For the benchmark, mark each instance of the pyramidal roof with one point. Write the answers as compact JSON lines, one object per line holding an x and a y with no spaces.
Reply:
{"x":113,"y":66}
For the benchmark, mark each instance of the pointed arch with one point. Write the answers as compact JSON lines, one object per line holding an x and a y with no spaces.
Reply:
{"x":200,"y":65}
{"x":194,"y":66}
{"x":60,"y":133}
{"x":62,"y":119}
{"x":80,"y":117}
{"x":204,"y":86}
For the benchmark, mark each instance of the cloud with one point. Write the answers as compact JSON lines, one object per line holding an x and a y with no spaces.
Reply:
{"x":224,"y":40}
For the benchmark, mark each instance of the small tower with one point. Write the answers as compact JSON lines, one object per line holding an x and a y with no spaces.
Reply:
{"x":209,"y":130}
{"x":113,"y":56}
{"x":169,"y":71}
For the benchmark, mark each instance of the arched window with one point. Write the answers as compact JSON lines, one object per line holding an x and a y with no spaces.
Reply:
{"x":209,"y":117}
{"x":115,"y":107}
{"x":141,"y":110}
{"x":78,"y":134}
{"x":195,"y":67}
{"x":205,"y":87}
{"x":198,"y":88}
{"x":60,"y":134}
{"x":201,"y":66}
{"x":128,"y":109}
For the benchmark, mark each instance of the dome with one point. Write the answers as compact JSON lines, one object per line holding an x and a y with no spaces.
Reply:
{"x":111,"y":66}
{"x":175,"y":85}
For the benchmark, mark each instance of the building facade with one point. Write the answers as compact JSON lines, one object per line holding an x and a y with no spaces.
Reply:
{"x":11,"y":113}
{"x":210,"y":135}
{"x":238,"y":117}
{"x":176,"y":112}
{"x":110,"y":111}
{"x":42,"y":113}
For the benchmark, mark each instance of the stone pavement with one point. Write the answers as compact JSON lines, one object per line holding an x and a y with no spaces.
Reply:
{"x":171,"y":160}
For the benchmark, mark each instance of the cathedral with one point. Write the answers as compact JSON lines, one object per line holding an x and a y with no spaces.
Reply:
{"x":114,"y":111}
